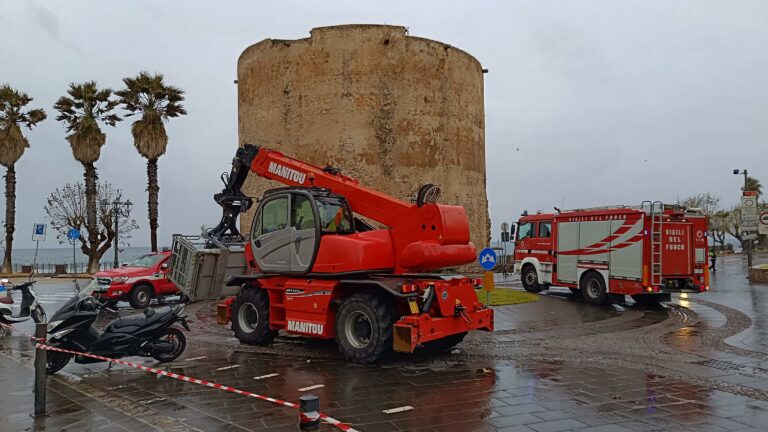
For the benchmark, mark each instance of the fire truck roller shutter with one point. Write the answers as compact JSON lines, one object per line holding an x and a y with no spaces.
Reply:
{"x":592,"y":236}
{"x":626,"y":259}
{"x":567,"y":239}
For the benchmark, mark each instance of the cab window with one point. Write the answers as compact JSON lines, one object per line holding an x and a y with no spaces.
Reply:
{"x":274,"y":215}
{"x":526,"y":230}
{"x":302,"y":216}
{"x":545,"y":229}
{"x":335,"y":217}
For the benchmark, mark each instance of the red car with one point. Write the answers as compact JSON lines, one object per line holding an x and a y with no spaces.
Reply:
{"x":138,"y":281}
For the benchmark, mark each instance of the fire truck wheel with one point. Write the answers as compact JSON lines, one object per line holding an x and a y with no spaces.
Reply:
{"x":445,"y":343}
{"x":530,"y":279}
{"x":250,"y":317}
{"x":140,"y":296}
{"x":364,"y":325}
{"x":593,"y":289}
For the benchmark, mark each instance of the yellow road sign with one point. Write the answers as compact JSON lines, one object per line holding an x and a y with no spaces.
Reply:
{"x":488,"y":281}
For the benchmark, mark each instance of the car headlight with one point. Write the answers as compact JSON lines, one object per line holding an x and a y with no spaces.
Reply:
{"x":120,"y":280}
{"x":52,"y":325}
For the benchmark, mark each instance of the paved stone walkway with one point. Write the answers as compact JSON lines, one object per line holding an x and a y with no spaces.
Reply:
{"x":552,"y":365}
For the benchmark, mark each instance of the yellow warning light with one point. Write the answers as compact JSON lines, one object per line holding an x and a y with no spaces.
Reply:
{"x":414,"y":307}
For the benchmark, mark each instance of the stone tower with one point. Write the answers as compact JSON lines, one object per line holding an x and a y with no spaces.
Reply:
{"x":393,"y":110}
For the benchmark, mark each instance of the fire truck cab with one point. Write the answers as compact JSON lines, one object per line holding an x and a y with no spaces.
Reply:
{"x":605,"y":253}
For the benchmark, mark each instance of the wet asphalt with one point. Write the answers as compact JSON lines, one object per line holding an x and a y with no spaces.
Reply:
{"x":699,"y":363}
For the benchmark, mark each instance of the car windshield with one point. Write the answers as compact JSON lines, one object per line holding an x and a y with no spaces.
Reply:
{"x":147,"y":260}
{"x":334,"y":215}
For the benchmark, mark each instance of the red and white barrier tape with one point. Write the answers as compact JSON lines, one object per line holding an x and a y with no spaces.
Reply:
{"x":31,"y":337}
{"x":323,"y":417}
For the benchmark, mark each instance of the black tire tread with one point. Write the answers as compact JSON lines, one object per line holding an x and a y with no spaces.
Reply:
{"x":55,"y":354}
{"x":600,"y":300}
{"x":132,"y":295}
{"x":262,"y":335}
{"x":530,"y":288}
{"x":385,"y":317}
{"x":181,"y":337}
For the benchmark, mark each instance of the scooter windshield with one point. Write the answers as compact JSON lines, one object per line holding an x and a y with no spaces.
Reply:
{"x":88,"y":289}
{"x":70,"y":305}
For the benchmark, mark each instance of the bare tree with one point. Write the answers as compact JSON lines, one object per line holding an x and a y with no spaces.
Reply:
{"x":733,"y":224}
{"x":708,"y":203}
{"x":67,"y":208}
{"x":718,"y":225}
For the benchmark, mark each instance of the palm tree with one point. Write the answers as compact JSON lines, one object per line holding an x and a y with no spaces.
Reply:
{"x":753,"y":184}
{"x":148,"y":95}
{"x":12,"y":146}
{"x":81,"y":112}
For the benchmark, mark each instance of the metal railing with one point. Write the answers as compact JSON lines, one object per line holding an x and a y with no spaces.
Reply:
{"x":59,"y":268}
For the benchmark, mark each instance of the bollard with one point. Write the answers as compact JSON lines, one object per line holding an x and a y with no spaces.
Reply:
{"x":309,"y":413}
{"x":41,"y":330}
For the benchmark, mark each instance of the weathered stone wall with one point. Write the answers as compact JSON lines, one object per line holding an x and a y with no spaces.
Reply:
{"x":393,"y":110}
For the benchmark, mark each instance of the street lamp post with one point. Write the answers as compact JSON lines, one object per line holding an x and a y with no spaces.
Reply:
{"x":748,"y":245}
{"x":119,"y":208}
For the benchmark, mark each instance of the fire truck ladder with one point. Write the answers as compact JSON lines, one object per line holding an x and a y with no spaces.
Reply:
{"x":655,"y":210}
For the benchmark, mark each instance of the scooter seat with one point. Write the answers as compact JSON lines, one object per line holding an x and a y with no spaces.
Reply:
{"x":6,"y":300}
{"x":140,"y":320}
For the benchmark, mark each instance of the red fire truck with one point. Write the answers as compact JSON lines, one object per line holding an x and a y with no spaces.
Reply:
{"x":646,"y":252}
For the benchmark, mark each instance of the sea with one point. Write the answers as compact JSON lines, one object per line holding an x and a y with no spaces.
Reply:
{"x":48,"y":258}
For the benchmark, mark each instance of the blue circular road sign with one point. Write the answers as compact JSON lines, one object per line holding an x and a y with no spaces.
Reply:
{"x":73,"y":234}
{"x":487,"y":258}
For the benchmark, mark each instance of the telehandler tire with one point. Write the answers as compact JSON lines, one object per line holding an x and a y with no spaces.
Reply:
{"x":250,"y":317}
{"x":364,"y":326}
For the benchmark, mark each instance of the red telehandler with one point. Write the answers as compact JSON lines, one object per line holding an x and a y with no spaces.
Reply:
{"x":316,"y":268}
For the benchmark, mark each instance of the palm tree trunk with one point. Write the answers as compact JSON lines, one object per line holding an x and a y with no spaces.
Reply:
{"x":90,"y":217}
{"x":153,"y":190}
{"x":10,"y":216}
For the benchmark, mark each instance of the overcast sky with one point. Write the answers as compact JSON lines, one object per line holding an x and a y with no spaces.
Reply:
{"x":587,"y":102}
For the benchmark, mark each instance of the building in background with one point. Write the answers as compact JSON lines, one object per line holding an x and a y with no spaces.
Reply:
{"x":393,"y":110}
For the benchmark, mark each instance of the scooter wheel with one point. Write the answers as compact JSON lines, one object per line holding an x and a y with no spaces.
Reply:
{"x":55,"y":361}
{"x":177,"y":338}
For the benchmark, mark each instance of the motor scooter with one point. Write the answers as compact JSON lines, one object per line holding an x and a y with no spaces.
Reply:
{"x":30,"y":308}
{"x":148,"y":334}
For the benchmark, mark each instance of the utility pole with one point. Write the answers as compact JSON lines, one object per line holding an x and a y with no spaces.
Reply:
{"x":748,"y":245}
{"x":118,"y":208}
